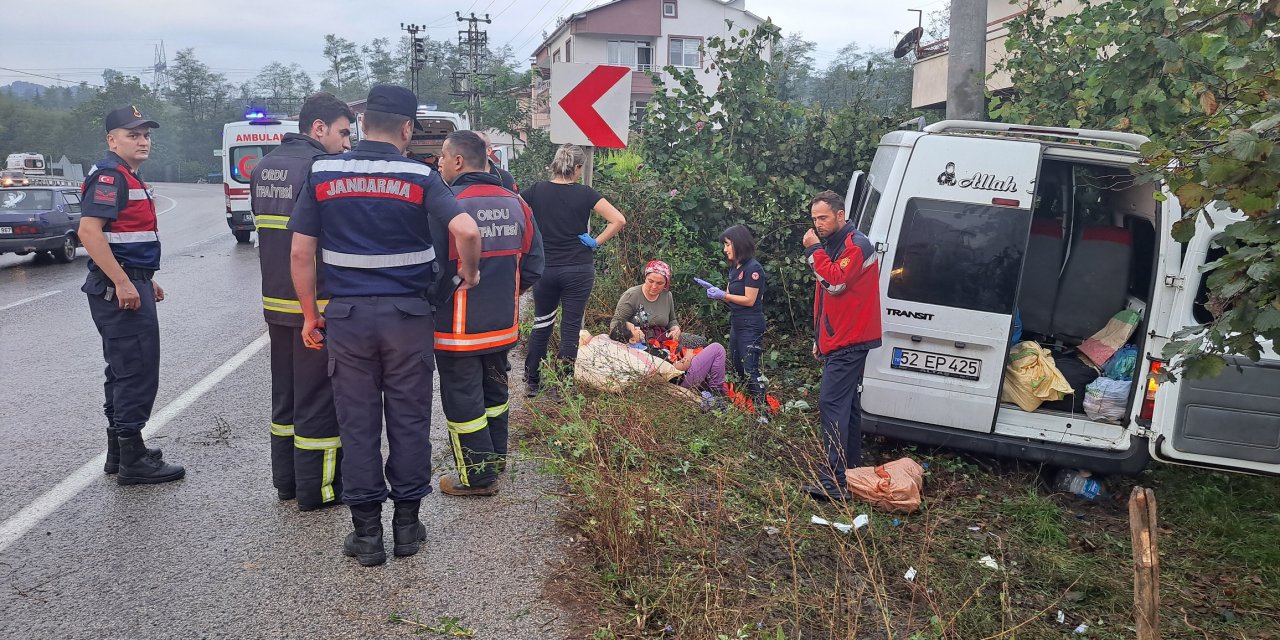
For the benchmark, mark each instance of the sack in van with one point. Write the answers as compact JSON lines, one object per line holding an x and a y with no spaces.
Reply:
{"x":894,"y":486}
{"x":1105,"y":399}
{"x":1031,"y":377}
{"x":1122,"y":365}
{"x":1104,"y":344}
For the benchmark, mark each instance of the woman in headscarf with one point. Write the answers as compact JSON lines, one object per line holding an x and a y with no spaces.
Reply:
{"x":646,"y":312}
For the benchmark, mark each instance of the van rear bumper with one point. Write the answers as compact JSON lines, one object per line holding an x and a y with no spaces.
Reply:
{"x":1129,"y":462}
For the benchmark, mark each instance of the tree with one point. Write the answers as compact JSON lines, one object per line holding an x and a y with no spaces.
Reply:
{"x":383,"y":67}
{"x":345,"y":74}
{"x":204,"y":101}
{"x":793,"y":66}
{"x":282,"y":88}
{"x":1198,"y":77}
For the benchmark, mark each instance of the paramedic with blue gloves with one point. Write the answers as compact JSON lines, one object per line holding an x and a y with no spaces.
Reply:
{"x":744,"y":295}
{"x":846,"y":318}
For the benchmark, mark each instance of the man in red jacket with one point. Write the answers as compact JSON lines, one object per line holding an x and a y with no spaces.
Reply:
{"x":846,"y":319}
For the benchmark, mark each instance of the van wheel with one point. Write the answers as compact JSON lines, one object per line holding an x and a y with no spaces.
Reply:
{"x":67,"y":252}
{"x":241,"y":236}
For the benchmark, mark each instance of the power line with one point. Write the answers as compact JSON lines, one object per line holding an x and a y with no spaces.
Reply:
{"x":555,"y":15}
{"x":38,"y":75}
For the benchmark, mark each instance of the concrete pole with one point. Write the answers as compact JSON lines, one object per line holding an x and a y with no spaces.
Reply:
{"x":967,"y":61}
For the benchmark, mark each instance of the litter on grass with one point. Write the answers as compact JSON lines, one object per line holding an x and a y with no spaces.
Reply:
{"x":910,"y":575}
{"x":989,"y":562}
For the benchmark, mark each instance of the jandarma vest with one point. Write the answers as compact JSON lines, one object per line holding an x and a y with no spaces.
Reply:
{"x":133,"y":235}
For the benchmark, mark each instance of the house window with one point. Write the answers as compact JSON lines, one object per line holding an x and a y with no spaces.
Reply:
{"x":630,"y":53}
{"x":568,"y":51}
{"x":669,"y":9}
{"x":637,"y":110}
{"x":555,"y":57}
{"x":683,"y":52}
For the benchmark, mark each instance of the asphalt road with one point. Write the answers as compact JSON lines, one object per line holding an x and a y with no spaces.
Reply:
{"x":216,"y":555}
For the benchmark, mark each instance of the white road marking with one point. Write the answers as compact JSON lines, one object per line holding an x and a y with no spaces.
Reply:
{"x":199,"y":242}
{"x":44,"y":506}
{"x":31,"y":299}
{"x":173,"y":203}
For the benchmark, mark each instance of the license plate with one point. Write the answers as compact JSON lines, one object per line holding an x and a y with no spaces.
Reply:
{"x":7,"y":230}
{"x":936,"y":364}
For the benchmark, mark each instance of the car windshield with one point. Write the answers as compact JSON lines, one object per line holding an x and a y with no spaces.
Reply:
{"x":26,"y":200}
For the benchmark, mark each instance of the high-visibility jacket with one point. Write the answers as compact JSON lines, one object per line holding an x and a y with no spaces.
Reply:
{"x":274,"y":187}
{"x":486,"y":318}
{"x":114,"y":192}
{"x":846,"y":301}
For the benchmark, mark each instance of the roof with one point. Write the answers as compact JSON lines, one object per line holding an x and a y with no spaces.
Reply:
{"x":574,"y":17}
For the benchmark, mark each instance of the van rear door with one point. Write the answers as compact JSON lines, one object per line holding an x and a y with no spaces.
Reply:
{"x":956,"y":246}
{"x":1231,"y":421}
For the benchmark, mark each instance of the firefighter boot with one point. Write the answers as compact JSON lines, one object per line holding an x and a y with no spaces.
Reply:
{"x":112,"y":465}
{"x":138,"y":466}
{"x":452,"y":485}
{"x":365,"y":543}
{"x":407,"y":531}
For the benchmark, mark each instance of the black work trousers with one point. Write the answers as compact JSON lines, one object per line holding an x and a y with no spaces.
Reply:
{"x":561,"y":287}
{"x":381,"y":364}
{"x":746,"y":333}
{"x":473,"y":392}
{"x":131,"y":347}
{"x":305,"y":448}
{"x":841,"y":412}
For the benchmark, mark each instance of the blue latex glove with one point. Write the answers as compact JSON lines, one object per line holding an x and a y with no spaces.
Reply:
{"x":586,"y":239}
{"x":704,"y":283}
{"x":715,"y":293}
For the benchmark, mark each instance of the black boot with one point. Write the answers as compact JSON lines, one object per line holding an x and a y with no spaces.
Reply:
{"x":112,"y":465}
{"x":406,"y":529}
{"x":138,"y":466}
{"x":365,"y":543}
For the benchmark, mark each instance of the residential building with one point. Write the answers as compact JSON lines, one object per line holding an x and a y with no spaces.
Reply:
{"x":645,"y":35}
{"x":929,"y":78}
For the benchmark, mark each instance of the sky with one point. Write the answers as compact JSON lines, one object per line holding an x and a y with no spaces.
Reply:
{"x":75,"y":40}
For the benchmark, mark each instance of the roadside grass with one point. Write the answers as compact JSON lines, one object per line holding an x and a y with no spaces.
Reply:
{"x":692,"y":525}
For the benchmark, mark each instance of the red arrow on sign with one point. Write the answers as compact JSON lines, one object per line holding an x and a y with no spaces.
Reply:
{"x":579,"y":105}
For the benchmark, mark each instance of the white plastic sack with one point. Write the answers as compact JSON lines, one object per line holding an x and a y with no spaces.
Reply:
{"x":1105,"y":399}
{"x":610,"y":365}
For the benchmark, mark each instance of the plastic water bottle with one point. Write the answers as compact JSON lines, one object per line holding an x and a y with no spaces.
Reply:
{"x":1077,"y":483}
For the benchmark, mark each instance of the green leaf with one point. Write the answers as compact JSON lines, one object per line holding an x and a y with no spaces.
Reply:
{"x":1193,"y":195}
{"x":1243,"y":144}
{"x":1268,"y":320}
{"x":1184,"y":229}
{"x":1169,"y":49}
{"x":1263,"y":271}
{"x":1204,"y":366}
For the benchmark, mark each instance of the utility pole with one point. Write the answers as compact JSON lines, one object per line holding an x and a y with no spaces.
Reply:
{"x":967,"y":61}
{"x":467,"y":83}
{"x":417,"y":53}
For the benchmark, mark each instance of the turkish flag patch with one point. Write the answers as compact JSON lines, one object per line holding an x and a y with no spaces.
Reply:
{"x":106,"y":179}
{"x":104,"y":196}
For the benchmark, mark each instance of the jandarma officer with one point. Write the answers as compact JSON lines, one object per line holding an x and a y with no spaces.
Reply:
{"x":118,"y":229}
{"x":366,"y":213}
{"x":305,"y":447}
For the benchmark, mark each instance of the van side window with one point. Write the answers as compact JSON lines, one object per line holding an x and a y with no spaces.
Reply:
{"x":877,"y":182}
{"x":1200,"y":309}
{"x":962,"y":255}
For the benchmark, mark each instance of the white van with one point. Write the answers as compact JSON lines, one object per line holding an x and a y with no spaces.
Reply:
{"x":974,"y":220}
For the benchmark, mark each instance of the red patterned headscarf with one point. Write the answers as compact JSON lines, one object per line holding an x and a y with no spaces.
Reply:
{"x":661,"y":268}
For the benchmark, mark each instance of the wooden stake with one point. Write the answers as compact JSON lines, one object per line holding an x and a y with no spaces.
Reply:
{"x":588,"y":167}
{"x":1146,"y":563}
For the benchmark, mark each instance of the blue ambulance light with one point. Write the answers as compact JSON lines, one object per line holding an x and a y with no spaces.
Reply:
{"x":254,"y":114}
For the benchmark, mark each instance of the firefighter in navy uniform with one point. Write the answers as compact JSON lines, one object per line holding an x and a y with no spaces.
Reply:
{"x":118,"y":229}
{"x":365,"y":215}
{"x":305,"y":447}
{"x":476,"y":328}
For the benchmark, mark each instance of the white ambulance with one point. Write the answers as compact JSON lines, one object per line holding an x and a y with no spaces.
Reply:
{"x":244,"y":143}
{"x":975,"y":221}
